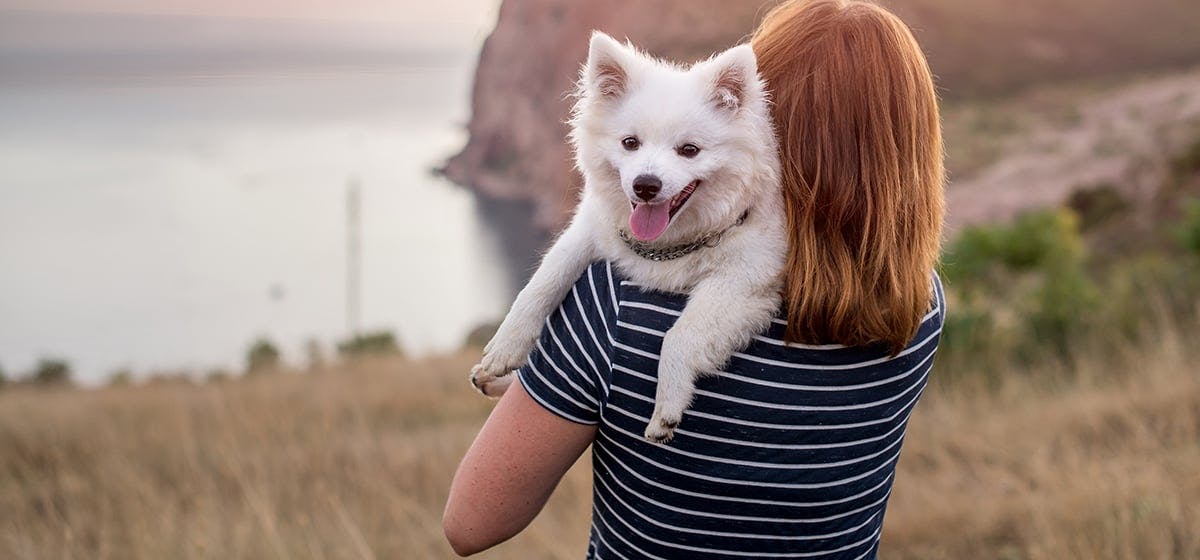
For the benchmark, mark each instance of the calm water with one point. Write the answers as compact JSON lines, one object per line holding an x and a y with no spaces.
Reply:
{"x":163,"y":222}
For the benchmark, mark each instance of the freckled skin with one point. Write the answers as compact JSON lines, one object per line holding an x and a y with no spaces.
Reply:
{"x":498,"y":489}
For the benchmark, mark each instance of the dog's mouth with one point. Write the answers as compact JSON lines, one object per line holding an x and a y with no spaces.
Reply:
{"x":649,"y":221}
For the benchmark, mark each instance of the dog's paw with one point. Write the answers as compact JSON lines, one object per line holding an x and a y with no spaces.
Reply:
{"x":661,"y":428}
{"x":493,"y":374}
{"x":490,"y":385}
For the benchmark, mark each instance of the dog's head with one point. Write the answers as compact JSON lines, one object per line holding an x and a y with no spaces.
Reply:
{"x":673,"y":151}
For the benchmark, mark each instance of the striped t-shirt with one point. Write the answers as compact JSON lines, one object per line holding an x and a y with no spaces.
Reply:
{"x":790,"y":452}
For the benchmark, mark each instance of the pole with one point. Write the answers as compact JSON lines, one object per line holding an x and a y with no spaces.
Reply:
{"x":353,"y":255}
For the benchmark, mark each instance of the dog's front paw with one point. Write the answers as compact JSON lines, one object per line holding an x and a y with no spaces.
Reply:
{"x":662,"y":426}
{"x":490,"y":385}
{"x":492,"y":375}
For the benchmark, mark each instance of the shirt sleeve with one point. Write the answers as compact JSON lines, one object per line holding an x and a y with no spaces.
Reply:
{"x":564,"y":371}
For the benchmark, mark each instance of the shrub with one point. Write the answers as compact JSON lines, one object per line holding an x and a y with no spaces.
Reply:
{"x":120,"y":378}
{"x":1097,"y":204}
{"x":984,"y":257}
{"x":315,"y":354}
{"x":1188,"y":230}
{"x":263,"y":356}
{"x":1022,"y":288}
{"x":217,"y":376}
{"x":51,"y":371}
{"x":378,"y":343}
{"x":1062,"y":308}
{"x":479,"y":336}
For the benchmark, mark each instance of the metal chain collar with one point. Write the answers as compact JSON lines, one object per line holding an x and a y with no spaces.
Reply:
{"x":657,"y":254}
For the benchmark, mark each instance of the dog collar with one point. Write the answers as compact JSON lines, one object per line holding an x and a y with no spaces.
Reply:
{"x":658,"y":254}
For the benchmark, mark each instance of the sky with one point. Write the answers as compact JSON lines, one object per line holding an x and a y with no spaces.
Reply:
{"x":430,"y":24}
{"x":406,"y":11}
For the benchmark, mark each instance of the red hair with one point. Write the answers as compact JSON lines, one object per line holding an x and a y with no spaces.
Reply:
{"x":862,"y":168}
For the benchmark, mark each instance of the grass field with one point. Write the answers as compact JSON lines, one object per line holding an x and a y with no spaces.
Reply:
{"x":1101,"y":463}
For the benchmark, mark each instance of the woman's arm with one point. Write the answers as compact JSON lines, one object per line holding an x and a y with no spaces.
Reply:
{"x":509,"y":472}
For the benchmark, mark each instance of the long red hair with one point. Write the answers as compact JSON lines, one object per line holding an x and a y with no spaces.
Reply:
{"x":861,"y":146}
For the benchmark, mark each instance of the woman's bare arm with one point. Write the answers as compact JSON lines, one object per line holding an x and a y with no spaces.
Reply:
{"x":509,"y":472}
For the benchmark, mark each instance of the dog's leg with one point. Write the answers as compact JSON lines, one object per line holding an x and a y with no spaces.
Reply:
{"x":570,"y":255}
{"x":721,"y":317}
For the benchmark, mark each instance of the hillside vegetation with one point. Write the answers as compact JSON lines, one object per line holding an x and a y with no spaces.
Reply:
{"x":356,"y":463}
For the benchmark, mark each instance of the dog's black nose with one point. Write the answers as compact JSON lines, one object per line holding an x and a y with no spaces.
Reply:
{"x":646,"y":187}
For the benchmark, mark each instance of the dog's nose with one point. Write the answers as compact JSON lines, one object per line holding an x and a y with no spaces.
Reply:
{"x":646,"y":187}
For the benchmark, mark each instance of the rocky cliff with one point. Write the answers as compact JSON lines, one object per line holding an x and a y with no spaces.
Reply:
{"x":982,"y":48}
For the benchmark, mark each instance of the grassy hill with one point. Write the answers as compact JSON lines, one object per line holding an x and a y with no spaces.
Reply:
{"x":355,"y":463}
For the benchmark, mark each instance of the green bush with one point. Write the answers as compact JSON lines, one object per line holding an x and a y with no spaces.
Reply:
{"x":215,"y":376}
{"x":985,"y":257}
{"x":263,"y":356}
{"x":51,"y":371}
{"x":480,"y":335}
{"x":1188,"y":230}
{"x":1062,"y":309}
{"x":1097,"y":205}
{"x":120,"y":378}
{"x":1020,"y":289}
{"x":378,"y":343}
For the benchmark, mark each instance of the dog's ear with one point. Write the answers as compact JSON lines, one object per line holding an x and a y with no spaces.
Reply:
{"x":734,"y":77}
{"x":606,"y":72}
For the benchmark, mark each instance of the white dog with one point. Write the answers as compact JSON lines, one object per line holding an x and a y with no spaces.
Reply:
{"x":681,"y":193}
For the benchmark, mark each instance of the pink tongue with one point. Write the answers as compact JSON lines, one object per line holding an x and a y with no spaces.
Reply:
{"x":649,"y":221}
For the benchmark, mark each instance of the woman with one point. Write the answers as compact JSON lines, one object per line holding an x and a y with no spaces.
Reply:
{"x":791,"y":451}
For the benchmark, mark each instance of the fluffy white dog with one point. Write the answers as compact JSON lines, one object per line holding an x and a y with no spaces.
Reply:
{"x":681,"y":193}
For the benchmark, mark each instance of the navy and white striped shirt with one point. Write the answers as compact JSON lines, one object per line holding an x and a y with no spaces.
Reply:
{"x":789,"y":453}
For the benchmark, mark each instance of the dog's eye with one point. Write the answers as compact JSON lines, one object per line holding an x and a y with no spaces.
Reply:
{"x":631,"y":143}
{"x":688,"y":150}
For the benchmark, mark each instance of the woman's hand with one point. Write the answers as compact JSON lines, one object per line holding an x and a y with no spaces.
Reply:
{"x":509,"y":472}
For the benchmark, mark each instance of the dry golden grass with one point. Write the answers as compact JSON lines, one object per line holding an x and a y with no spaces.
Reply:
{"x":355,"y":464}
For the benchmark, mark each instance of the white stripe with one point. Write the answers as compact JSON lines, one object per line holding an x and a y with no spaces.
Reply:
{"x":832,"y":388}
{"x":553,"y":408}
{"x":779,"y":342}
{"x":612,"y":291}
{"x":633,"y":350}
{"x":641,"y":329}
{"x":797,"y":387}
{"x":567,"y":355}
{"x":762,"y":465}
{"x":912,"y":348}
{"x":594,"y":378}
{"x":554,"y":388}
{"x":794,"y":486}
{"x":812,"y":408}
{"x":776,"y":406}
{"x":563,"y":375}
{"x":790,"y":365}
{"x":606,"y":545}
{"x":731,"y":517}
{"x":596,"y":515}
{"x":600,"y":308}
{"x":761,"y":445}
{"x":599,"y":347}
{"x":799,"y":427}
{"x":742,"y":500}
{"x":651,"y":307}
{"x":870,"y":538}
{"x":635,"y":511}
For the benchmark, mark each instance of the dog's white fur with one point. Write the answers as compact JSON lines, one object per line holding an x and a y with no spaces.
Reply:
{"x":719,"y":105}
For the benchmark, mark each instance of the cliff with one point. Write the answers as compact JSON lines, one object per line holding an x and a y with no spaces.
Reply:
{"x":979,"y":50}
